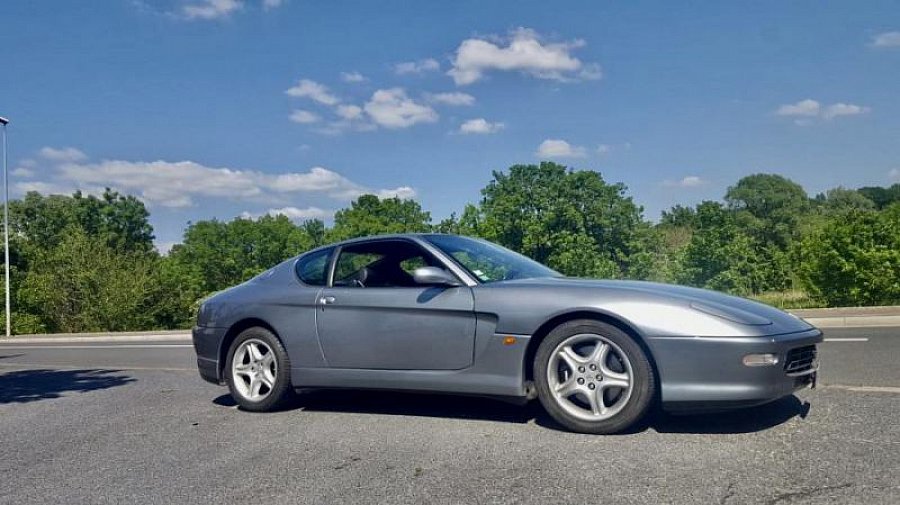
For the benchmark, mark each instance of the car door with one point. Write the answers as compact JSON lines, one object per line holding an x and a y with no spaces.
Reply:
{"x":373,"y":316}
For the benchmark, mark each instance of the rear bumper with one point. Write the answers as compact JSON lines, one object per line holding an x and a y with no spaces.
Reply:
{"x":706,"y":373}
{"x":206,"y":345}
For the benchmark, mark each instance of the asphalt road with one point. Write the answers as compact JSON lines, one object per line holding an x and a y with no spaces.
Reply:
{"x":133,"y":423}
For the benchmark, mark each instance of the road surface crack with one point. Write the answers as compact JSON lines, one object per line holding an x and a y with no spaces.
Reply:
{"x":729,"y":493}
{"x":791,"y":496}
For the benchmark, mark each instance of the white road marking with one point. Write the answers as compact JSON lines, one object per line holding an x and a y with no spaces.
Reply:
{"x":865,"y":389}
{"x":122,"y":346}
{"x":847,"y":339}
{"x":107,"y":367}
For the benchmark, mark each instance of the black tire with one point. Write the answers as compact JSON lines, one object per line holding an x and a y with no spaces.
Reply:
{"x":281,"y":391}
{"x":643,"y":380}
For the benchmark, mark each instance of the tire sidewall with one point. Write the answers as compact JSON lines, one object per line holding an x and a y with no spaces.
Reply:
{"x":643,"y":380}
{"x":282,"y":386}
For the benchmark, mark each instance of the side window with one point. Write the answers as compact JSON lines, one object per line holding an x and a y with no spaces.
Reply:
{"x":350,"y":266}
{"x":312,"y":269}
{"x":381,"y":264}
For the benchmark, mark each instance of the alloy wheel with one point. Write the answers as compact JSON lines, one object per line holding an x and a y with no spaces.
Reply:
{"x":254,"y":369}
{"x":590,"y":377}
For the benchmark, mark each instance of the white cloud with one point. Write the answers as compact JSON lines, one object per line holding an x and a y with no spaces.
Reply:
{"x":63,"y":154}
{"x":844,"y":109}
{"x":804,"y":108}
{"x":555,"y":148}
{"x":307,"y":88}
{"x":165,"y":248}
{"x":403,"y":193}
{"x":349,"y":111}
{"x":417,"y":67}
{"x":526,"y":52}
{"x":452,"y":98}
{"x":480,"y":126}
{"x":894,"y":175}
{"x":344,"y":125}
{"x":690,"y":181}
{"x":293,"y":213}
{"x":178,"y":184}
{"x":604,"y":149}
{"x":591,"y":72}
{"x":391,"y":108}
{"x":23,"y":172}
{"x":353,"y":77}
{"x":304,"y":116}
{"x":886,"y":39}
{"x":210,"y":9}
{"x":218,"y":9}
{"x":806,"y":111}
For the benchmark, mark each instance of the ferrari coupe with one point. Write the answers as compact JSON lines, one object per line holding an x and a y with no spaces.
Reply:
{"x":452,"y":314}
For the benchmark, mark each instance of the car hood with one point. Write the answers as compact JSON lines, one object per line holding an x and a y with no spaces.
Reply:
{"x":629,"y":296}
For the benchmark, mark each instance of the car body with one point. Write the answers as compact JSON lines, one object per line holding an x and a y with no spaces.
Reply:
{"x":463,"y":332}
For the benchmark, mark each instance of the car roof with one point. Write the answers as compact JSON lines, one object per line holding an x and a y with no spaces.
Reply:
{"x":385,"y":236}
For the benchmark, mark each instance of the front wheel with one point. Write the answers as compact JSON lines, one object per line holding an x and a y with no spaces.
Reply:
{"x":592,"y":377}
{"x":258,"y":370}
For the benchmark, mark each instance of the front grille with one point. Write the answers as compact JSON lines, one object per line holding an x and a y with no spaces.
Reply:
{"x":801,"y":361}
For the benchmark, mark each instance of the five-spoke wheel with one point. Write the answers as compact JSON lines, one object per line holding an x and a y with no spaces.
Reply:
{"x":254,"y":368}
{"x":590,"y":376}
{"x":593,"y":377}
{"x":258,"y":370}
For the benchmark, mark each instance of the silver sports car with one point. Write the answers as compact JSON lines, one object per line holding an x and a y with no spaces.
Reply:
{"x":446,"y":313}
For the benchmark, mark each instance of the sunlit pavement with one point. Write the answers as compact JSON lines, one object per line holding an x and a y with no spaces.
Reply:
{"x":101,"y":423}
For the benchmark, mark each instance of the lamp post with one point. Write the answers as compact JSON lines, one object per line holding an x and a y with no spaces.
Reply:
{"x":5,"y":122}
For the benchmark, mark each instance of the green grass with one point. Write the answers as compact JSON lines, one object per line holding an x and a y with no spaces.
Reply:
{"x":793,"y":299}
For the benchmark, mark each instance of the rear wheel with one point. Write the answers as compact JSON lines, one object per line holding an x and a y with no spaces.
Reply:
{"x":258,"y":370}
{"x":592,"y":377}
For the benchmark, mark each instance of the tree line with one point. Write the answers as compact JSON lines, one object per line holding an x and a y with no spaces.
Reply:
{"x":87,"y":263}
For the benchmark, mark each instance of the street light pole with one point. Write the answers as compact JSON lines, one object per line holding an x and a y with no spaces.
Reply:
{"x":5,"y":122}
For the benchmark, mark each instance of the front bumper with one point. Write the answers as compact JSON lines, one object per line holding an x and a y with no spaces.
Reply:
{"x":206,"y":345}
{"x":706,"y":373}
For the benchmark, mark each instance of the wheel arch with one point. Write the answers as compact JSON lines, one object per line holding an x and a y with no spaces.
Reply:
{"x":547,"y":326}
{"x":234,"y":331}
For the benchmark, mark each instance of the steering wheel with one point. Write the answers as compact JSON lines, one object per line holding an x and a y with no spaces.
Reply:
{"x":359,"y":279}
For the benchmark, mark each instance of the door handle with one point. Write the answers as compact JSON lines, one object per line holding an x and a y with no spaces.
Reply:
{"x":326,"y":300}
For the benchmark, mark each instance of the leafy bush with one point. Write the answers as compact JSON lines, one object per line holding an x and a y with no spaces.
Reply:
{"x":854,"y":260}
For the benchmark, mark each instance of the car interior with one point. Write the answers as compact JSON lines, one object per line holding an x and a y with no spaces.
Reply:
{"x":381,"y":264}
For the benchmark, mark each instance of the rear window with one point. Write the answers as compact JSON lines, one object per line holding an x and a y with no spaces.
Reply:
{"x":313,"y":268}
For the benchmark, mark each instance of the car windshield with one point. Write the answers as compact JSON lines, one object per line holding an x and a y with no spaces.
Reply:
{"x":489,"y":262}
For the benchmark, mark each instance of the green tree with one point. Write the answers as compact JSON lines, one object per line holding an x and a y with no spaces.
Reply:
{"x":315,"y":230}
{"x":121,"y":222}
{"x":370,"y":215}
{"x":840,"y":199}
{"x":854,"y":259}
{"x":42,"y":225}
{"x":572,"y":221}
{"x":882,"y":197}
{"x":82,"y":284}
{"x":719,"y":255}
{"x":770,"y":209}
{"x":216,"y":254}
{"x":679,"y":216}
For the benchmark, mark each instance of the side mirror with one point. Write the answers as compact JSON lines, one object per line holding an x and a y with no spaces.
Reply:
{"x":434,"y":276}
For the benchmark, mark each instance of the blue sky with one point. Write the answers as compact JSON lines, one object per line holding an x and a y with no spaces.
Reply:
{"x":221,"y":108}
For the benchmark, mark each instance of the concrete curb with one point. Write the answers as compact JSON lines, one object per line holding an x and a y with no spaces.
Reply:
{"x":169,"y":336}
{"x":854,"y":321}
{"x":850,"y":317}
